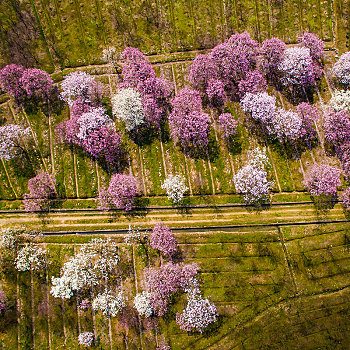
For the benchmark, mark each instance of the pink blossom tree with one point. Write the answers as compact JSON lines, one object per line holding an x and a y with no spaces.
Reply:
{"x":120,"y":194}
{"x":41,"y":192}
{"x":162,"y":239}
{"x":323,"y":179}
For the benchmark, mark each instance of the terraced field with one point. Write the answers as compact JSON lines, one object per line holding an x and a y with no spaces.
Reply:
{"x":283,"y":287}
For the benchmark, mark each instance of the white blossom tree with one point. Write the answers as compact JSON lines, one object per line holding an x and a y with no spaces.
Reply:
{"x":30,"y":258}
{"x":252,"y":180}
{"x":12,"y":138}
{"x":127,"y":106}
{"x":175,"y":187}
{"x":143,"y":305}
{"x":109,"y":304}
{"x":86,"y":338}
{"x":340,"y":100}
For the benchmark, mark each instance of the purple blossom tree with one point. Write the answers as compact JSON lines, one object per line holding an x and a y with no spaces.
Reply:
{"x":272,"y":51}
{"x":162,"y":282}
{"x":188,"y":124}
{"x":312,"y":42}
{"x":198,"y":314}
{"x":253,"y":83}
{"x":246,"y":45}
{"x":37,"y":82}
{"x":341,"y":69}
{"x":10,"y":81}
{"x":186,"y":101}
{"x":216,"y":93}
{"x":162,"y":239}
{"x":228,"y":124}
{"x":41,"y":191}
{"x":191,"y":130}
{"x":337,"y":128}
{"x":12,"y":138}
{"x":309,"y":114}
{"x":233,"y":66}
{"x":120,"y":194}
{"x":202,"y":69}
{"x":323,"y":179}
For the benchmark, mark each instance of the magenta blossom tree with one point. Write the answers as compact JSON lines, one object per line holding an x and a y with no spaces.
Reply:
{"x":323,"y":179}
{"x":41,"y":191}
{"x":162,"y":239}
{"x":120,"y":193}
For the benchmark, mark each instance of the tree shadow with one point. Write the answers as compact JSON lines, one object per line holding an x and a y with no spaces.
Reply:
{"x":234,"y":145}
{"x":323,"y":204}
